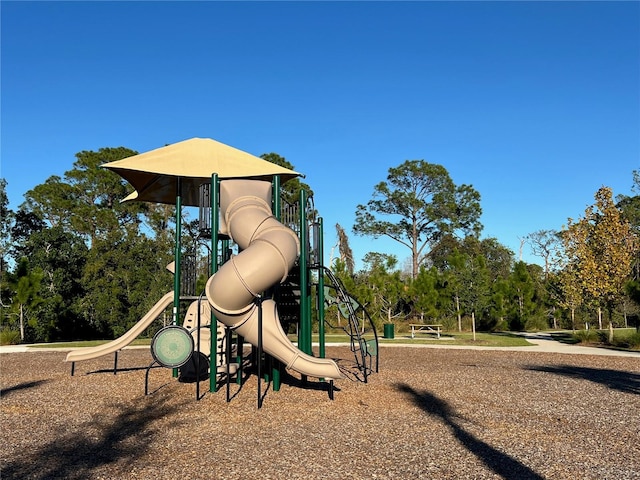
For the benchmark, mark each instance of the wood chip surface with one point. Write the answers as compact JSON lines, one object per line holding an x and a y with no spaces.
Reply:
{"x":428,"y":414}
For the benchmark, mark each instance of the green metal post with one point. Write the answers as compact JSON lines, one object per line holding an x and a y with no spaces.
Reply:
{"x":177,"y":253}
{"x":320,"y":247}
{"x":240,"y":346}
{"x":213,"y":268}
{"x":304,"y":331}
{"x":276,"y":202}
{"x":177,"y":258}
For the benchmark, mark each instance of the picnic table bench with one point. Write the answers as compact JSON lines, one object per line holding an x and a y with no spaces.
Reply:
{"x":421,"y":327}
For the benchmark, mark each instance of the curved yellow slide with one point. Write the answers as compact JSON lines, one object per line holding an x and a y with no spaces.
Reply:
{"x":88,"y":353}
{"x":268,"y":250}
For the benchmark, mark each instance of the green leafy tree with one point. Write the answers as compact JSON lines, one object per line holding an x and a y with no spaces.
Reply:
{"x":453,"y":282}
{"x":458,"y":259}
{"x":380,"y":286}
{"x":632,"y":288}
{"x":522,"y":293}
{"x":61,"y":256}
{"x":16,"y":237}
{"x":476,"y":284}
{"x":440,"y":254}
{"x":424,"y":294}
{"x":128,"y":246}
{"x":499,"y":305}
{"x":87,"y":199}
{"x":629,"y":206}
{"x":499,"y":258}
{"x":51,"y":202}
{"x":27,"y":298}
{"x":26,"y":224}
{"x":6,"y":222}
{"x":416,"y":206}
{"x":290,"y":190}
{"x":545,"y":311}
{"x":127,"y":276}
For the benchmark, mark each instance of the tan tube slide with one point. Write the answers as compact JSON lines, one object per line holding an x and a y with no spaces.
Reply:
{"x":268,"y":250}
{"x":87,"y":353}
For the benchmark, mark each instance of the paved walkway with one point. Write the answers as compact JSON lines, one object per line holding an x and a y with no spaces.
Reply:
{"x":542,"y":342}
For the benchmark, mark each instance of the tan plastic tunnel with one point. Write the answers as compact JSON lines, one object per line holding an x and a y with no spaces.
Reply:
{"x":268,"y":250}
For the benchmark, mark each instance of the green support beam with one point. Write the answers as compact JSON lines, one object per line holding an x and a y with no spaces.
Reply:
{"x":177,"y":259}
{"x":304,"y":331}
{"x":320,"y":296}
{"x":276,"y":366}
{"x":213,"y":268}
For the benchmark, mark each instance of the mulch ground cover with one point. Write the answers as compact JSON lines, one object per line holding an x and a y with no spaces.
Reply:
{"x":428,"y":414}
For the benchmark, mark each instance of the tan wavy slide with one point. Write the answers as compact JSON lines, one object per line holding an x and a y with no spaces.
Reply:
{"x":88,"y":353}
{"x":268,"y":250}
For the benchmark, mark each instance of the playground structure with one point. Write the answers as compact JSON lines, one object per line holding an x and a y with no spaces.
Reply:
{"x":268,"y":250}
{"x":270,"y":279}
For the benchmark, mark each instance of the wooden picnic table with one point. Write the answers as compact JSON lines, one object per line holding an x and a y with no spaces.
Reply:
{"x":421,"y":327}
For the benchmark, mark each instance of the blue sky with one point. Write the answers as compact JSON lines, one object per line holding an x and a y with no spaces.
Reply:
{"x":535,"y":104}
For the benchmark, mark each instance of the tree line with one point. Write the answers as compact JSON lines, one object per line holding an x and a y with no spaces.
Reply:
{"x":76,"y":263}
{"x":588,"y":277}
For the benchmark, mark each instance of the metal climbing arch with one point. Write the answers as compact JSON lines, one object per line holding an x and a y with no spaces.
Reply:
{"x":359,"y":326}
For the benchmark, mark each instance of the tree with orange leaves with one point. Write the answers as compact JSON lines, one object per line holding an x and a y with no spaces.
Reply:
{"x":600,"y":248}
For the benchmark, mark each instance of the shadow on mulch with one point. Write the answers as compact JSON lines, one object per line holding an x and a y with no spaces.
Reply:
{"x":626,"y":382}
{"x":499,"y":462}
{"x":22,"y":386}
{"x":75,"y":456}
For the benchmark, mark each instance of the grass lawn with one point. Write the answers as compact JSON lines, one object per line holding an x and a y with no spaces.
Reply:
{"x":464,"y":338}
{"x":447,"y":338}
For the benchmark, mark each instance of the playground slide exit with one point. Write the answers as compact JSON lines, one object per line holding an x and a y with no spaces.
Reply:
{"x":268,"y":250}
{"x":119,"y":343}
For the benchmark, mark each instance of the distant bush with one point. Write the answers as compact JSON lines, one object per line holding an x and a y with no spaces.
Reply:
{"x":634,"y":340}
{"x":9,"y":337}
{"x":536,"y":323}
{"x":622,"y":338}
{"x":627,"y":340}
{"x":448,"y":323}
{"x":587,"y":336}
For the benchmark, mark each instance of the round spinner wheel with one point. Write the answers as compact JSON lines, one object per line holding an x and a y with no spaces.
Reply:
{"x":172,"y":346}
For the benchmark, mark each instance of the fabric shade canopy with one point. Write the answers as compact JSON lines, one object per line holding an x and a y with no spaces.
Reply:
{"x":155,"y":174}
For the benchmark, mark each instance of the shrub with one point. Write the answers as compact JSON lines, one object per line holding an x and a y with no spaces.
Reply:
{"x":587,"y":336}
{"x":9,"y":337}
{"x":631,"y":340}
{"x":536,"y":323}
{"x":448,"y":323}
{"x":634,"y":340}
